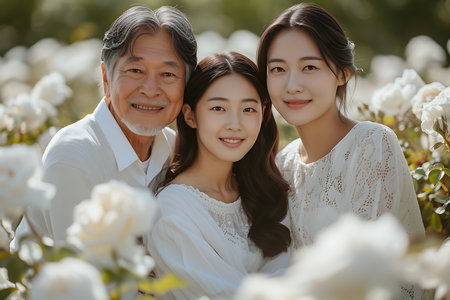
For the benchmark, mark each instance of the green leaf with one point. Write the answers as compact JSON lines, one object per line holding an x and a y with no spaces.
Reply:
{"x":427,"y":211}
{"x":6,"y":292}
{"x":15,"y":266}
{"x":437,"y":165}
{"x":447,"y":171}
{"x":420,"y":171}
{"x":437,"y":146}
{"x":162,"y":285}
{"x":435,"y":175}
{"x":436,"y":223}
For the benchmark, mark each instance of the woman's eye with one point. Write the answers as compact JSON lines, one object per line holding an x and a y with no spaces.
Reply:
{"x":310,"y":68}
{"x":249,"y":109}
{"x":276,"y":70}
{"x":218,"y":108}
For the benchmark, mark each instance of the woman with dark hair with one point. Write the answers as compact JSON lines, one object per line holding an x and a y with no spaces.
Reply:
{"x":337,"y":165}
{"x":223,"y":199}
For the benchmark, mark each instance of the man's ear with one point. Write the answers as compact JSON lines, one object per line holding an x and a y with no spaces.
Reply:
{"x":189,"y":116}
{"x":105,"y":82}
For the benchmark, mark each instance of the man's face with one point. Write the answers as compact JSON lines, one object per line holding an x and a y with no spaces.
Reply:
{"x":147,"y":85}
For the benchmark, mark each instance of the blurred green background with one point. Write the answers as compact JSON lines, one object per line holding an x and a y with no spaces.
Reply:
{"x":376,"y":26}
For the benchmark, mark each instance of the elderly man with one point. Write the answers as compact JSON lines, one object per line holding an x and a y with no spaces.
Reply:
{"x":147,"y":57}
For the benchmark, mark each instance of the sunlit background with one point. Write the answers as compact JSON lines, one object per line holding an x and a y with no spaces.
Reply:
{"x":38,"y":37}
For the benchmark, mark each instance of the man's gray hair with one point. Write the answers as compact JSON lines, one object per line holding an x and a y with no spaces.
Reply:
{"x":123,"y":32}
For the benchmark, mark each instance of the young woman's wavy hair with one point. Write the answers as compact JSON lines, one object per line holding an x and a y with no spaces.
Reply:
{"x":324,"y":29}
{"x":261,"y":187}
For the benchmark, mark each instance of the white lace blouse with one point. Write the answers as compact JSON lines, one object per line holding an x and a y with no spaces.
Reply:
{"x":204,"y":242}
{"x":365,"y":173}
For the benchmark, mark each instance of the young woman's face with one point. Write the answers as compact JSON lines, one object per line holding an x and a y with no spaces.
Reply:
{"x":228,"y":118}
{"x":301,"y":85}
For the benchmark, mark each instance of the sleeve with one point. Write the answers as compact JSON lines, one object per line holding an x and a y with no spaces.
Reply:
{"x":179,"y":246}
{"x":72,"y":186}
{"x":382,"y":182}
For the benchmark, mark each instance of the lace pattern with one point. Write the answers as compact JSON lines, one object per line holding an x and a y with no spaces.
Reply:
{"x":365,"y":173}
{"x":230,"y":218}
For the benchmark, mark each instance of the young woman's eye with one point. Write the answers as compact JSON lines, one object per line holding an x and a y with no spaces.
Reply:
{"x":249,"y":109}
{"x":217,"y":108}
{"x":310,"y":68}
{"x":276,"y":70}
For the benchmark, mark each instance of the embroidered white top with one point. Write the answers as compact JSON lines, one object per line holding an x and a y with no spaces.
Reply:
{"x":365,"y":173}
{"x":204,"y":241}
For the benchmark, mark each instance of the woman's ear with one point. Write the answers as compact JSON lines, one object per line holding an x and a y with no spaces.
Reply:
{"x":344,"y":76}
{"x":189,"y":116}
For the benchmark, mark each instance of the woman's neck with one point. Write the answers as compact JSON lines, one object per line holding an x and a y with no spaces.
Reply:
{"x":320,"y":136}
{"x":212,"y":177}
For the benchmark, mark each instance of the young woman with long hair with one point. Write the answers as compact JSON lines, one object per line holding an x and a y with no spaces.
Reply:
{"x":337,"y":165}
{"x":223,"y":199}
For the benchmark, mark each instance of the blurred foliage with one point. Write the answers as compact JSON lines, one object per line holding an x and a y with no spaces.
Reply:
{"x":376,"y":26}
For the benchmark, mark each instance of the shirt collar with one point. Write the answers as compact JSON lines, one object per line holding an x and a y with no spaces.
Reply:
{"x":121,"y":147}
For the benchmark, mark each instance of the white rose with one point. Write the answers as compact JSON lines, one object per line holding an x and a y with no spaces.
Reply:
{"x":351,"y":253}
{"x":385,"y":68}
{"x":4,"y":239}
{"x":438,"y":110}
{"x":425,"y":95}
{"x":27,"y":114}
{"x":423,"y":52}
{"x":20,"y":184}
{"x":395,"y":98}
{"x":110,"y":221}
{"x":261,"y":287}
{"x":51,"y":88}
{"x":4,"y":279}
{"x":431,"y":269}
{"x":69,"y":279}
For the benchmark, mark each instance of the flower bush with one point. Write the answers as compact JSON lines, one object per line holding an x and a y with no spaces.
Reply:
{"x":102,"y":258}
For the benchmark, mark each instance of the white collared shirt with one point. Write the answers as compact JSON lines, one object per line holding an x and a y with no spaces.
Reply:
{"x":92,"y":151}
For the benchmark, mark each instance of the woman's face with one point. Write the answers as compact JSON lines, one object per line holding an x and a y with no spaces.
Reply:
{"x":301,"y":85}
{"x":227,"y":117}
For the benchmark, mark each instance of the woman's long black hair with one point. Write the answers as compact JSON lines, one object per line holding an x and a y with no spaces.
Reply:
{"x":261,"y":187}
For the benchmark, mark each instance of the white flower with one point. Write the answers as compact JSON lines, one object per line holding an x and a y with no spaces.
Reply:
{"x":13,"y":88}
{"x":26,"y":114}
{"x":4,"y":279}
{"x":209,"y":42}
{"x":51,"y":88}
{"x":436,"y":111}
{"x":352,"y":259}
{"x":4,"y":239}
{"x":385,"y":68}
{"x":14,"y":70}
{"x":422,"y":52}
{"x":30,"y":252}
{"x":245,"y":42}
{"x":110,"y":222}
{"x":20,"y":185}
{"x":69,"y":279}
{"x":425,"y":95}
{"x":261,"y":287}
{"x":395,"y":98}
{"x":431,"y":269}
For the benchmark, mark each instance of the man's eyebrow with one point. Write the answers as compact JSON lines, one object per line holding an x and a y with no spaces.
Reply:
{"x":171,"y":63}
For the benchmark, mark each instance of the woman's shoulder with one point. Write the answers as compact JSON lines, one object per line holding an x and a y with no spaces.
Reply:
{"x":288,"y":153}
{"x":376,"y":132}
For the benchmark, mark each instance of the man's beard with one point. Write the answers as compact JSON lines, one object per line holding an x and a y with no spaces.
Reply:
{"x":142,"y":130}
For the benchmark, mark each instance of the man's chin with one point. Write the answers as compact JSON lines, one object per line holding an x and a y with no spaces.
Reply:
{"x":142,"y":130}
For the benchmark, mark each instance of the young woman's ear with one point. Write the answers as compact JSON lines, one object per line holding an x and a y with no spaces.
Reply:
{"x":189,"y":116}
{"x":344,"y":76}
